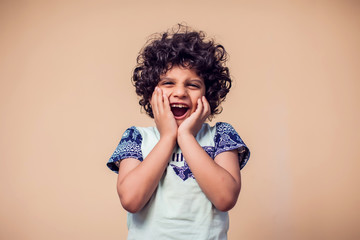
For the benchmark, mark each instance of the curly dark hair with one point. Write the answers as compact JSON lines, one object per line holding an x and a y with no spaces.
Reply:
{"x":187,"y":48}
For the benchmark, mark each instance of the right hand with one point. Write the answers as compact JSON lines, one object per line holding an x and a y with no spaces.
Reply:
{"x":164,"y":118}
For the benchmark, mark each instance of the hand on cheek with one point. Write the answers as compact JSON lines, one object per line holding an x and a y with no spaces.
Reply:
{"x":164,"y":118}
{"x":205,"y":109}
{"x":193,"y":124}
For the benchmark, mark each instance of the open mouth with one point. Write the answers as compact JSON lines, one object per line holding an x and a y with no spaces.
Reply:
{"x":179,"y":110}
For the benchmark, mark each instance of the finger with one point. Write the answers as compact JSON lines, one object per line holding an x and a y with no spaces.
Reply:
{"x":152,"y":98}
{"x":155,"y":104}
{"x":207,"y":109}
{"x":166,"y":103}
{"x":199,"y":108}
{"x":160,"y":100}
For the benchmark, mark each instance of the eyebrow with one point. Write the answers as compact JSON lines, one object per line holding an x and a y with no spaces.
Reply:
{"x":166,"y":78}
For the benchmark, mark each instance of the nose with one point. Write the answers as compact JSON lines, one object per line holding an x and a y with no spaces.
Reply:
{"x":179,"y":91}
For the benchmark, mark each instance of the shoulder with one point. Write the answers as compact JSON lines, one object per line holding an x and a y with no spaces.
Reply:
{"x":224,"y":127}
{"x":131,"y":134}
{"x":128,"y":147}
{"x":216,"y":126}
{"x":138,"y":133}
{"x":226,"y":139}
{"x":215,"y":131}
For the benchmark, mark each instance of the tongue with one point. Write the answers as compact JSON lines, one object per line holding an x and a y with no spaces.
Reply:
{"x":178,"y":111}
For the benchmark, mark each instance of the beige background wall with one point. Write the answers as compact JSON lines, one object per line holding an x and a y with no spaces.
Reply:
{"x":66,"y":98}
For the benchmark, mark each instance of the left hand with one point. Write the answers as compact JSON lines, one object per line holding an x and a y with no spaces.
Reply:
{"x":193,"y":123}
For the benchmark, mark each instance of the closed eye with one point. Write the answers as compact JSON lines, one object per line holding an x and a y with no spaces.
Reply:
{"x":166,"y":83}
{"x":195,"y":85}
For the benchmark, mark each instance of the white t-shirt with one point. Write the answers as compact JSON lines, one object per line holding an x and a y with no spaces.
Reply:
{"x":178,"y":209}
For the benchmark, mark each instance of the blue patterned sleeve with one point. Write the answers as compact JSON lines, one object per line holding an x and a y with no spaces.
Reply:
{"x":129,"y":147}
{"x":227,"y":139}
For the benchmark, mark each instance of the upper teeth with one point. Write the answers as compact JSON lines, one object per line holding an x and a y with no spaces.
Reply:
{"x":179,"y":105}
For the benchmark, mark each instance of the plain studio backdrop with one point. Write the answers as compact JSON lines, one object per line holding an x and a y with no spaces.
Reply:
{"x":66,"y":98}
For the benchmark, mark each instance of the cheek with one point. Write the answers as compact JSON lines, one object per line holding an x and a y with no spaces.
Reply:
{"x":195,"y":101}
{"x":165,"y":91}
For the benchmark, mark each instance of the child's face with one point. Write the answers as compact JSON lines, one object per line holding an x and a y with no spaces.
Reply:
{"x":183,"y":88}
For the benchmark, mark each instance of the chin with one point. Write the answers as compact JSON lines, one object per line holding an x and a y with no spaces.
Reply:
{"x":179,"y":122}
